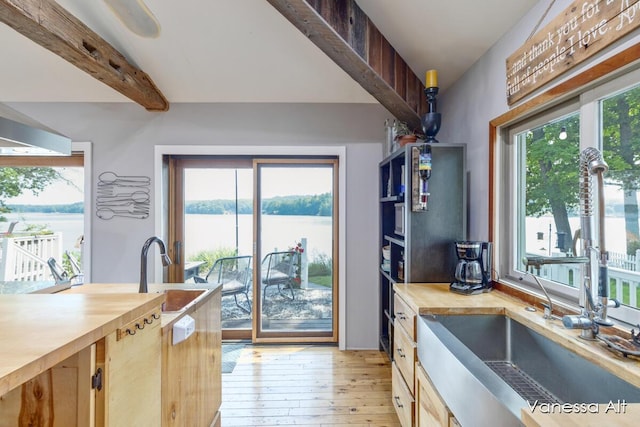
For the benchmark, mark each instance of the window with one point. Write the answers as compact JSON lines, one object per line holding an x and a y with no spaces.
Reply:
{"x":538,"y":209}
{"x":620,"y":136}
{"x":42,"y":215}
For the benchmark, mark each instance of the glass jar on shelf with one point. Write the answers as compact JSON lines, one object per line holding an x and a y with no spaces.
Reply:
{"x":401,"y":266}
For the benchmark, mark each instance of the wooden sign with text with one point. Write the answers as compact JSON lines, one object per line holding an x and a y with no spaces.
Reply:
{"x":582,"y":30}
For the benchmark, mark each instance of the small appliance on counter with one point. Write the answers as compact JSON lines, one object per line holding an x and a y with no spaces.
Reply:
{"x":473,"y":271}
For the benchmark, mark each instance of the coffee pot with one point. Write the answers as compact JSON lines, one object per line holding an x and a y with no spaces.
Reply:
{"x":469,"y":271}
{"x":473,"y":270}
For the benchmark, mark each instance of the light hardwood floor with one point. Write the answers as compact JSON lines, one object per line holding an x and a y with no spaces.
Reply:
{"x":306,"y":385}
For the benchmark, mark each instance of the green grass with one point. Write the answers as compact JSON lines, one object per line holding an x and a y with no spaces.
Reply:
{"x":321,"y":280}
{"x":625,"y":293}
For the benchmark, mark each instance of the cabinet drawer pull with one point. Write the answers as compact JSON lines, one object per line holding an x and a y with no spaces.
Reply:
{"x":401,"y":315}
{"x":398,"y":404}
{"x":400,"y":352}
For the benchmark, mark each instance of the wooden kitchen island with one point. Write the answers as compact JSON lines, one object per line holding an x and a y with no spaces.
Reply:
{"x":191,"y":385}
{"x":100,"y":355}
{"x":55,"y":346}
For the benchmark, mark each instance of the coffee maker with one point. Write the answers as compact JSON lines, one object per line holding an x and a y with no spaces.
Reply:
{"x":473,"y":271}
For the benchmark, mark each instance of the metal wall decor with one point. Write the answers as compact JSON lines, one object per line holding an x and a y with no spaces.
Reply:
{"x":122,"y":196}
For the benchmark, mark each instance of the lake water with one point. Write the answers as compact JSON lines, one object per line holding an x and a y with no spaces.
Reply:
{"x":614,"y":230}
{"x":206,"y":232}
{"x":279,"y":232}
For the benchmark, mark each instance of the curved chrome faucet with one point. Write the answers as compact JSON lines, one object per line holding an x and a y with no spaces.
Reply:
{"x":143,"y":260}
{"x":594,"y":300}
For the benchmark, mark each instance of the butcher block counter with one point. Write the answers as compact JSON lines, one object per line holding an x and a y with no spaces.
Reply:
{"x":436,"y":299}
{"x":38,"y":331}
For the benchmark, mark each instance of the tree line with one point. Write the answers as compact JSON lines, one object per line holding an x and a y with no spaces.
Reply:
{"x":309,"y":205}
{"x":66,"y":208}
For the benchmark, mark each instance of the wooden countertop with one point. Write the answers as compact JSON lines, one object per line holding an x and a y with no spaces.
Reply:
{"x":614,"y":415}
{"x":168,"y":318}
{"x":39,"y":330}
{"x":435,"y":298}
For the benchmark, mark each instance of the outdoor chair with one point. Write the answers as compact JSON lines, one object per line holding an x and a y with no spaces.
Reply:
{"x":279,"y":269}
{"x":234,"y":274}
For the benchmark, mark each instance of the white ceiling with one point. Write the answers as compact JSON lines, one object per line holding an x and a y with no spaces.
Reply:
{"x":245,"y":51}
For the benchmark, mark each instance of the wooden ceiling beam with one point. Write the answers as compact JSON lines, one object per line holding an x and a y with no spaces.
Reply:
{"x":346,"y":34}
{"x":54,"y":28}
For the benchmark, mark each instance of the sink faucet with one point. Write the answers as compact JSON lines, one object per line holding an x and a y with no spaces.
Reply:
{"x":595,"y":301}
{"x":143,"y":260}
{"x":537,"y":262}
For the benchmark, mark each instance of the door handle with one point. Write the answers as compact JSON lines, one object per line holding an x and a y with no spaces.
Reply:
{"x":177,"y":248}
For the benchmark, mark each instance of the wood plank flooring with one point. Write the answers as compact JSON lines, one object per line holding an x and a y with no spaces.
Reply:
{"x":307,"y":385}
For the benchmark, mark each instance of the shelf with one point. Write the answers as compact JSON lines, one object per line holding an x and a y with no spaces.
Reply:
{"x":392,"y":199}
{"x":392,"y":280}
{"x":432,"y":233}
{"x":397,"y":153}
{"x":385,"y":344}
{"x":395,"y":240}
{"x":387,"y":275}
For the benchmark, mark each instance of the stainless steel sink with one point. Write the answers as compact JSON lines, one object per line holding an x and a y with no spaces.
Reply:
{"x":488,"y":367}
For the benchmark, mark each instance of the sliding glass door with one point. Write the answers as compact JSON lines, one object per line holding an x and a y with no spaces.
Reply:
{"x":295,"y":231}
{"x":266,"y":230}
{"x":212,"y":233}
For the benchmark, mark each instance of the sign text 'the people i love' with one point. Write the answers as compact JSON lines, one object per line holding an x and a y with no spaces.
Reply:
{"x":582,"y":30}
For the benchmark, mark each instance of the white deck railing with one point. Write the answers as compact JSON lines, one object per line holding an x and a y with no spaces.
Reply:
{"x":24,"y":258}
{"x":624,"y":276}
{"x":624,"y":261}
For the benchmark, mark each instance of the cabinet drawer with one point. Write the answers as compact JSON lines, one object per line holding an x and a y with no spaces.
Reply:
{"x":405,"y":316}
{"x":402,"y":399}
{"x":404,"y":354}
{"x":430,"y":409}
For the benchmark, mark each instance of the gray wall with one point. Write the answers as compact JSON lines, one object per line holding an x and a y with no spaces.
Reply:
{"x":480,"y":96}
{"x":124,"y":136}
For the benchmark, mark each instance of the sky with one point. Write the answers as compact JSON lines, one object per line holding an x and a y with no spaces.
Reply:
{"x":57,"y":193}
{"x":211,"y":184}
{"x":202,"y":184}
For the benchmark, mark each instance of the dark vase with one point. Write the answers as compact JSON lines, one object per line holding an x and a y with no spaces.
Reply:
{"x":431,"y":126}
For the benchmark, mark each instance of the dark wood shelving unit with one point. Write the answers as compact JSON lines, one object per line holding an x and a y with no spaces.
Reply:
{"x":425,"y":239}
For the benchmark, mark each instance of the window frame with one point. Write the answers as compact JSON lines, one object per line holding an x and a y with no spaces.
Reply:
{"x":81,"y":156}
{"x":604,"y":79}
{"x":510,"y":225}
